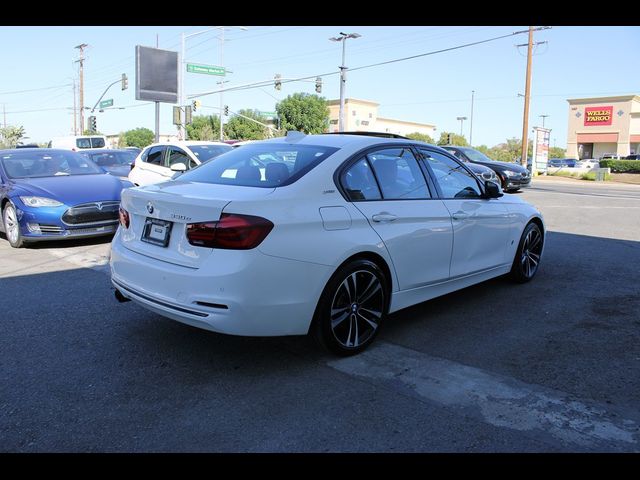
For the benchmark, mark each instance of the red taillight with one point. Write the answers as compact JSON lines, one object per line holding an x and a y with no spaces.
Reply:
{"x":232,"y":231}
{"x":124,"y":218}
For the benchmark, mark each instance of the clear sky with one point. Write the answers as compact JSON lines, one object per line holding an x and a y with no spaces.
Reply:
{"x":574,"y":62}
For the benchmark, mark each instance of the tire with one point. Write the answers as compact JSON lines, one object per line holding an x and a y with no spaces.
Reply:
{"x":527,"y":259}
{"x":352,"y":308}
{"x":12,"y":226}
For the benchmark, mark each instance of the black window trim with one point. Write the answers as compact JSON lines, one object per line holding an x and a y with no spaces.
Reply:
{"x":163,"y":148}
{"x":167,"y":155}
{"x":459,"y":162}
{"x":363,"y":154}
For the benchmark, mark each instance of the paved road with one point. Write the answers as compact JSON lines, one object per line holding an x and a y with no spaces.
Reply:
{"x":553,"y":365}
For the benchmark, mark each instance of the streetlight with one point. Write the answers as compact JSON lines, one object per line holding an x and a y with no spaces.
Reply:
{"x":183,"y":130}
{"x":343,"y":74}
{"x":462,"y":119}
{"x":543,"y":117}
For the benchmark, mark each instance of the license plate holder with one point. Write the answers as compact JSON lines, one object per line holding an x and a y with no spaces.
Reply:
{"x":156,"y":232}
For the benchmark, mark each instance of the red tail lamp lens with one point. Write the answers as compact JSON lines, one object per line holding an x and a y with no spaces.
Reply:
{"x":124,"y":217}
{"x":232,"y":231}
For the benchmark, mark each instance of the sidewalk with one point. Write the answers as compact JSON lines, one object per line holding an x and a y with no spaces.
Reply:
{"x":616,"y":178}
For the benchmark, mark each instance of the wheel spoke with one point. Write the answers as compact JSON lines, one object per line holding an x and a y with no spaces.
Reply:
{"x":337,"y":321}
{"x":360,"y":298}
{"x":533,"y":257}
{"x":535,"y":242}
{"x":367,"y":297}
{"x":345,"y":285}
{"x":372,"y":324}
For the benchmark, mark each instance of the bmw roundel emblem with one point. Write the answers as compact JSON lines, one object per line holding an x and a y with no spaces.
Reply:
{"x":150,"y":207}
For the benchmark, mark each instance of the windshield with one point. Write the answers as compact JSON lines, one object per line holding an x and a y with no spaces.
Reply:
{"x":90,"y":142}
{"x":112,"y":158}
{"x":476,"y":155}
{"x":47,"y":164}
{"x":207,"y":152}
{"x":261,"y":165}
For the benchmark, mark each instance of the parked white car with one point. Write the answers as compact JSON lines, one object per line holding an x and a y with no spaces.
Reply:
{"x":77,"y":143}
{"x":159,"y":162}
{"x":588,"y":163}
{"x":344,"y":230}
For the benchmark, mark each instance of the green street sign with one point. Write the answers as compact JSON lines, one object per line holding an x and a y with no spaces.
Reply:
{"x":269,"y":114}
{"x":106,"y":103}
{"x":206,"y":69}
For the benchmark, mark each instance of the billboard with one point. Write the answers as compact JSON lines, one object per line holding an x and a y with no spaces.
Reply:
{"x":598,"y":116}
{"x":156,"y":75}
{"x":541,"y":148}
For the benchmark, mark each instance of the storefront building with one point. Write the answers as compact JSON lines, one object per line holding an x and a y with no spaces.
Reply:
{"x":362,"y":116}
{"x":601,"y":126}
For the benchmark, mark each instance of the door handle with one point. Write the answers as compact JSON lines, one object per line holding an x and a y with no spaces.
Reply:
{"x":460,"y":215}
{"x":384,"y":217}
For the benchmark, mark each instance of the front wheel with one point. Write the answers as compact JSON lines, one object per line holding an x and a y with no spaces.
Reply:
{"x":352,"y":308}
{"x":11,"y":226}
{"x":527,"y":260}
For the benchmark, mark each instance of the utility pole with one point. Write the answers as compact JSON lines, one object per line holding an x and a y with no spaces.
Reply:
{"x":471,"y":121}
{"x":527,"y":92}
{"x":81,"y":47}
{"x":157,"y":139}
{"x":75,"y":118}
{"x":221,"y":66}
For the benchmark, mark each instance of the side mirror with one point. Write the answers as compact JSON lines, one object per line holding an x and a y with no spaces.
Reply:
{"x":491,"y":190}
{"x":178,"y":167}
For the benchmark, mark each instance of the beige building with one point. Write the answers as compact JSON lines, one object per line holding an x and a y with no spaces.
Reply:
{"x":362,"y":116}
{"x":598,"y":126}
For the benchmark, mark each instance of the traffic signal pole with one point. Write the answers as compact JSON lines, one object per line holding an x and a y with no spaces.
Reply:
{"x":527,"y":92}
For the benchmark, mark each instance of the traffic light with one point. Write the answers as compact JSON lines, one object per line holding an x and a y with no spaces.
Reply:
{"x":187,"y":115}
{"x":449,"y":138}
{"x":226,"y":110}
{"x":196,"y":105}
{"x":278,"y":83}
{"x":92,"y":124}
{"x":319,"y":85}
{"x":125,"y":81}
{"x":177,"y":115}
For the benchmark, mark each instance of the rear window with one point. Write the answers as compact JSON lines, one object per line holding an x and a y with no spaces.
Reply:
{"x":90,"y":142}
{"x":260,"y":165}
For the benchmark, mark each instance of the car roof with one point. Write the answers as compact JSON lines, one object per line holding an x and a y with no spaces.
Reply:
{"x":187,"y":143}
{"x":37,"y":150}
{"x":341,"y":140}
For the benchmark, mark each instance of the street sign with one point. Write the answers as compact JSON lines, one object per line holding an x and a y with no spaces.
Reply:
{"x":206,"y":69}
{"x":269,"y":114}
{"x":106,"y":103}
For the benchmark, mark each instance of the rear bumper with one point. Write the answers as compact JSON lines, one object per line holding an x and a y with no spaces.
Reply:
{"x":234,"y":292}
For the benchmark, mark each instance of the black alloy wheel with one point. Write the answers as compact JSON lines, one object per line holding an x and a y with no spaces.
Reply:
{"x":352,"y":308}
{"x":527,"y":259}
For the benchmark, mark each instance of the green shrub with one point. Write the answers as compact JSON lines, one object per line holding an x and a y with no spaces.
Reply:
{"x":621,"y":166}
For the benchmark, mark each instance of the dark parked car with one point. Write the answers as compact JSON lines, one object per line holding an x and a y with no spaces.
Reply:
{"x":114,"y":161}
{"x":512,"y":175}
{"x":562,"y":162}
{"x":633,"y":156}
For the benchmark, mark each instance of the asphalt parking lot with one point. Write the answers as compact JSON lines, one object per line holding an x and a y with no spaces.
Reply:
{"x":549,"y":366}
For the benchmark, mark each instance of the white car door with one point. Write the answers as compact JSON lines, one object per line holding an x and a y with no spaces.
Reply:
{"x":481,"y":226}
{"x":151,"y":168}
{"x":388,"y":186}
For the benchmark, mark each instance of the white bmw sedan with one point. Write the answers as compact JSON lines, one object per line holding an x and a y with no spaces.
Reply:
{"x":327,"y":237}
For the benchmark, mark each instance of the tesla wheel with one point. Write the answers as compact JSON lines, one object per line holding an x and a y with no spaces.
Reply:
{"x":527,"y":260}
{"x":352,"y":308}
{"x":11,"y":226}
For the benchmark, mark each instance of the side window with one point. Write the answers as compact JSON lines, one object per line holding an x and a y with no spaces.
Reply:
{"x":398,"y":174}
{"x":359,"y":182}
{"x":454,"y":180}
{"x":456,"y":154}
{"x":177,"y":155}
{"x":154,"y":156}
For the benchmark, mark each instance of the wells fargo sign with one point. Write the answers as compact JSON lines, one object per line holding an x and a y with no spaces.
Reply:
{"x":598,"y":115}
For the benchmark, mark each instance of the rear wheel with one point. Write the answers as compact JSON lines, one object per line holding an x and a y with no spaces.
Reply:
{"x":11,"y":226}
{"x":352,"y":308}
{"x":527,"y":260}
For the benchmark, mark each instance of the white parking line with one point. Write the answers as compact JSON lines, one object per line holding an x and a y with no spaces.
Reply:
{"x":500,"y":401}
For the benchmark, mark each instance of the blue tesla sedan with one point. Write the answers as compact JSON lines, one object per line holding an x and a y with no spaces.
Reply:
{"x":48,"y":194}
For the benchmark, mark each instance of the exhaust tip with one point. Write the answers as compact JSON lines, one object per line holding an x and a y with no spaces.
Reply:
{"x":121,"y":298}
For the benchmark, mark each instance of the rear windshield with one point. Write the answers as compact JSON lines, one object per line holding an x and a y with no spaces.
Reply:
{"x":207,"y":152}
{"x":110,"y":157}
{"x":90,"y":142}
{"x":260,"y":165}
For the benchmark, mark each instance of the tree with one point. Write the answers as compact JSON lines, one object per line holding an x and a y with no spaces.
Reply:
{"x":204,"y":127}
{"x":243,"y":129}
{"x":139,"y":137}
{"x":122,"y":140}
{"x":421,"y":137}
{"x":557,"y":152}
{"x":458,"y":140}
{"x":304,"y":112}
{"x":10,"y":136}
{"x":510,"y":151}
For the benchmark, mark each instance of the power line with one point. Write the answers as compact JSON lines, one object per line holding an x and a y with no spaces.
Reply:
{"x":36,"y":89}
